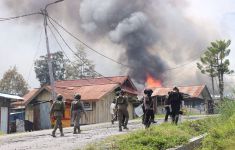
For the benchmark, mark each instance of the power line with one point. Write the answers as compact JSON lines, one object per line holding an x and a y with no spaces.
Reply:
{"x":35,"y":55}
{"x":88,"y":45}
{"x":21,"y":16}
{"x":75,"y":52}
{"x":128,"y":66}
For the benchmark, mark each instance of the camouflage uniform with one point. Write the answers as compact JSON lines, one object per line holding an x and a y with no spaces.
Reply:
{"x":121,"y":105}
{"x":57,"y":110}
{"x":76,"y":109}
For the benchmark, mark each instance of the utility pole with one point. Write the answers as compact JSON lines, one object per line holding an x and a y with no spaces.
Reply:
{"x":45,"y":15}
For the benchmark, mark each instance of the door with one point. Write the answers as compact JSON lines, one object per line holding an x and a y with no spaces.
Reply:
{"x":45,"y":122}
{"x":4,"y":119}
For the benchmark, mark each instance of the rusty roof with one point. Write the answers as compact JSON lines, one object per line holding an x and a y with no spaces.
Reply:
{"x":193,"y":91}
{"x":90,"y":89}
{"x":26,"y":98}
{"x":88,"y":93}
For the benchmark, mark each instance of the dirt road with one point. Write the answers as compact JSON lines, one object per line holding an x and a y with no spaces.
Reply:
{"x":42,"y":140}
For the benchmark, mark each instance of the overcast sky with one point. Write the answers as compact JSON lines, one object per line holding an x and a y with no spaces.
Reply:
{"x":21,"y":42}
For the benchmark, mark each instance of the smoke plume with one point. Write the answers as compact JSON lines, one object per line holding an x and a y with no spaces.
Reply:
{"x":155,"y":34}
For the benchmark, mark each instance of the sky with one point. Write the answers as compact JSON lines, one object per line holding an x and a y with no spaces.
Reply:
{"x":22,"y":41}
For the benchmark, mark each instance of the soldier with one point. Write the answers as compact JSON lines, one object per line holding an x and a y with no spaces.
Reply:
{"x":150,"y":107}
{"x":76,"y":109}
{"x":57,"y":110}
{"x":175,"y":98}
{"x":121,"y":105}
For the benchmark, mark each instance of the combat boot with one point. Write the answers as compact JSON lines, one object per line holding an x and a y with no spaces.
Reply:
{"x":120,"y":129}
{"x":125,"y":127}
{"x":53,"y":134}
{"x":79,"y":130}
{"x":75,"y":131}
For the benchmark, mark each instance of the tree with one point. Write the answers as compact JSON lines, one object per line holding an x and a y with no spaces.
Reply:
{"x":215,"y":63}
{"x":221,"y":51}
{"x":58,"y":64}
{"x":13,"y":83}
{"x":207,"y":67}
{"x":81,"y":67}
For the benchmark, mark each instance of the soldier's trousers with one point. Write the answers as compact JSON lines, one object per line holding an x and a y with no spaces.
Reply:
{"x":168,"y":112}
{"x":175,"y":115}
{"x":58,"y":124}
{"x":77,"y":117}
{"x":148,"y":117}
{"x":121,"y":114}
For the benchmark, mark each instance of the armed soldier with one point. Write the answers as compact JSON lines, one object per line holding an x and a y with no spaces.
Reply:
{"x":57,"y":110}
{"x":76,"y":109}
{"x":175,"y":98}
{"x":150,"y":107}
{"x":122,"y":105}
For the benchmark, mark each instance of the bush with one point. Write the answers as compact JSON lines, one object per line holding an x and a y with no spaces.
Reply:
{"x":222,"y":134}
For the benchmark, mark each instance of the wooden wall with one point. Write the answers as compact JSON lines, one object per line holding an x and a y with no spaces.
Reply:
{"x":100,"y":111}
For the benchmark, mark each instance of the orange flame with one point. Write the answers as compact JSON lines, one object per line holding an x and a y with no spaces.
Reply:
{"x":151,"y":82}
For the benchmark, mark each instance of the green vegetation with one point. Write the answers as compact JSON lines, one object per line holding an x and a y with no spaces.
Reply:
{"x":222,"y":134}
{"x":159,"y":137}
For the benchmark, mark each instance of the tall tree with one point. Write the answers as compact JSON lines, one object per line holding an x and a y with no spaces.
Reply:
{"x":216,"y":63}
{"x":220,"y":50}
{"x":13,"y":83}
{"x":81,"y":67}
{"x":207,"y":67}
{"x":58,"y":64}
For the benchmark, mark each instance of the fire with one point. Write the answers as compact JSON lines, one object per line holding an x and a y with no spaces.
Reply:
{"x":151,"y":82}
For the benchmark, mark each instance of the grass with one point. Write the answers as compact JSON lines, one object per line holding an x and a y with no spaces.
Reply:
{"x":159,"y":137}
{"x":220,"y":130}
{"x":221,"y":136}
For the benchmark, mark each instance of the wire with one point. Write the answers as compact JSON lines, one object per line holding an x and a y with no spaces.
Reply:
{"x":125,"y":65}
{"x":57,"y":41}
{"x":75,"y":52}
{"x":35,"y":55}
{"x":21,"y":16}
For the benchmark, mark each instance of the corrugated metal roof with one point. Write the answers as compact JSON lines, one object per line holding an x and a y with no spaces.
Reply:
{"x":91,"y":89}
{"x":26,"y":97}
{"x":11,"y":97}
{"x":193,"y":91}
{"x":88,"y":93}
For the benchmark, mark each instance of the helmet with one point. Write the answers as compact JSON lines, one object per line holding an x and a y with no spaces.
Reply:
{"x":175,"y":89}
{"x":59,"y":97}
{"x":77,"y":96}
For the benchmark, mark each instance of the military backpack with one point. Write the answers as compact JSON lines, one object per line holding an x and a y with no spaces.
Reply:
{"x":120,"y":100}
{"x":58,"y":106}
{"x":77,"y":105}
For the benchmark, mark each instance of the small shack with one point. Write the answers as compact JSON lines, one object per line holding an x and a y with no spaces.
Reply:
{"x":96,"y":94}
{"x":5,"y":103}
{"x":196,"y":98}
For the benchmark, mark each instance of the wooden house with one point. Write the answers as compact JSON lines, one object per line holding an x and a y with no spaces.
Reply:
{"x":5,"y":103}
{"x":96,"y":94}
{"x":195,"y":97}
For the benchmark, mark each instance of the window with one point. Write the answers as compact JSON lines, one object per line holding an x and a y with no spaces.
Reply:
{"x":87,"y":105}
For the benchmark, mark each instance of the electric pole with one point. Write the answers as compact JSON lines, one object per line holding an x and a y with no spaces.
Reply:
{"x":49,"y":61}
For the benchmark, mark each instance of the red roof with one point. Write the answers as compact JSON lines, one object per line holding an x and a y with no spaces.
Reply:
{"x":193,"y":91}
{"x":88,"y":93}
{"x":90,"y":89}
{"x":26,"y":97}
